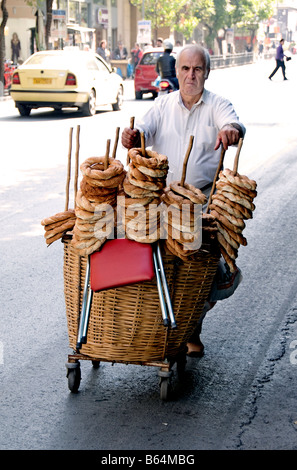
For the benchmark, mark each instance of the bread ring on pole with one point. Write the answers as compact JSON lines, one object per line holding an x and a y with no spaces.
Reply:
{"x":239,"y":180}
{"x":112,"y":182}
{"x":189,"y":191}
{"x":152,"y":159}
{"x":153,"y":186}
{"x":93,"y":167}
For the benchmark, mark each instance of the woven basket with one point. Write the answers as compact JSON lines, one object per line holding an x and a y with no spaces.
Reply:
{"x":126,"y":323}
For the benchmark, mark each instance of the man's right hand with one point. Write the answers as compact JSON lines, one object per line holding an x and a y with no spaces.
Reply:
{"x":130,"y":138}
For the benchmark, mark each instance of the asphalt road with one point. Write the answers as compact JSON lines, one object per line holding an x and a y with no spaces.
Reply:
{"x":242,"y":394}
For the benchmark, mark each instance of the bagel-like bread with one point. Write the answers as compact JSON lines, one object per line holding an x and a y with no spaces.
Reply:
{"x":246,"y":213}
{"x":87,"y":246}
{"x":232,"y":189}
{"x":240,"y":189}
{"x":84,"y":203}
{"x":232,"y":252}
{"x":176,"y":199}
{"x":216,"y":202}
{"x":89,"y":190}
{"x":143,"y":237}
{"x":125,"y":201}
{"x":240,"y":200}
{"x":58,"y":224}
{"x":61,"y":229}
{"x":58,"y":217}
{"x":138,"y":192}
{"x":112,"y":182}
{"x":225,"y":221}
{"x":93,"y":168}
{"x":239,"y":180}
{"x":151,"y":160}
{"x":230,"y":262}
{"x":232,"y":219}
{"x":235,"y":239}
{"x":153,"y":186}
{"x":189,"y":191}
{"x":179,"y":248}
{"x":102,"y":211}
{"x":153,"y":172}
{"x":52,"y":239}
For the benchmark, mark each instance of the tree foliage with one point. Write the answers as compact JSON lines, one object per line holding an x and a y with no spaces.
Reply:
{"x":185,"y":15}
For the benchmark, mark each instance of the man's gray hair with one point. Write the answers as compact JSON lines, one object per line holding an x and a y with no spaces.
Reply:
{"x":199,"y":49}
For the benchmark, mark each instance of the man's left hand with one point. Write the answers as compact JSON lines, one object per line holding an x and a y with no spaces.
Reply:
{"x":228,"y":135}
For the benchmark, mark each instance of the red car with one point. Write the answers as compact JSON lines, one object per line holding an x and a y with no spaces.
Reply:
{"x":145,"y":73}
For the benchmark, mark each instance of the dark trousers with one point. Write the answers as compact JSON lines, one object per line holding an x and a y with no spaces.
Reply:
{"x":279,"y":63}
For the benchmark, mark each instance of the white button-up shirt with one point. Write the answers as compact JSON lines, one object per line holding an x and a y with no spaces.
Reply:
{"x":168,"y":125}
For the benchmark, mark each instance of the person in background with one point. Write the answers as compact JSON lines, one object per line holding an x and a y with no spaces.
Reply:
{"x":120,"y":52}
{"x":136,"y":54}
{"x":165,"y":65}
{"x":280,"y":60}
{"x":167,"y":127}
{"x":159,"y":42}
{"x":15,"y":48}
{"x":102,"y":51}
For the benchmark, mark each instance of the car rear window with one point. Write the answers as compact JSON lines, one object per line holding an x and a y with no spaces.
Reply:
{"x":150,"y":58}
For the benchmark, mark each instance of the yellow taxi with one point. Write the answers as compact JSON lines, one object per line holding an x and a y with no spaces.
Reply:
{"x":66,"y":79}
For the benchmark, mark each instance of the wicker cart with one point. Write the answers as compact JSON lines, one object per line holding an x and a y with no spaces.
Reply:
{"x":126,"y":324}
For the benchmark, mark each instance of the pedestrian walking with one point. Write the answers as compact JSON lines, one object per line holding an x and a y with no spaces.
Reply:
{"x":280,"y":60}
{"x":136,"y":55}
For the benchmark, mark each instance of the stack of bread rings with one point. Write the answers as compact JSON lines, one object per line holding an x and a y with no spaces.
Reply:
{"x":57,"y":224}
{"x":231,"y":205}
{"x":182,"y":225}
{"x":95,"y":203}
{"x":141,"y":195}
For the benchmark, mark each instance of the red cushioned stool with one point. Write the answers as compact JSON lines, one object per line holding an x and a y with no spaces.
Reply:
{"x":121,"y":262}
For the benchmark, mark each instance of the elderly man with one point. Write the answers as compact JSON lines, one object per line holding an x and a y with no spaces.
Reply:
{"x":171,"y":121}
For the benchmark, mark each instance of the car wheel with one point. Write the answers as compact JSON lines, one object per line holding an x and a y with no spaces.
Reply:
{"x":138,"y":95}
{"x":89,"y":109}
{"x":24,"y":110}
{"x":117,"y":106}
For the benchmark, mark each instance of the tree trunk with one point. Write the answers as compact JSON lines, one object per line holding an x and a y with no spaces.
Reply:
{"x":2,"y":44}
{"x":49,"y":15}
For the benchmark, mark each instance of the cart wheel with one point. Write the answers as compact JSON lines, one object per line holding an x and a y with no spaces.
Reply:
{"x":164,"y":388}
{"x":96,"y":364}
{"x":74,"y":376}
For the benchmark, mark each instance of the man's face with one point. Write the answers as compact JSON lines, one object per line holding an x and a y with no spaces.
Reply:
{"x":191,"y":72}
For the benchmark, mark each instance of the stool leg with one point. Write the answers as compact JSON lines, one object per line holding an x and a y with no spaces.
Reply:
{"x":84,"y":306}
{"x":165,"y":287}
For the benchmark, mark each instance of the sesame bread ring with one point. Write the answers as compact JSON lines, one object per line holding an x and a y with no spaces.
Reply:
{"x":151,"y":160}
{"x":93,"y":167}
{"x":84,"y":203}
{"x":113,"y":182}
{"x":153,"y":172}
{"x":239,"y":180}
{"x":102,"y":211}
{"x":232,"y":219}
{"x":58,"y":217}
{"x":143,"y":237}
{"x":153,"y":186}
{"x":246,"y":213}
{"x":138,"y":192}
{"x":89,"y":190}
{"x":68,"y":225}
{"x":189,"y":191}
{"x":225,"y":221}
{"x":238,"y":199}
{"x":125,"y":201}
{"x":176,"y":198}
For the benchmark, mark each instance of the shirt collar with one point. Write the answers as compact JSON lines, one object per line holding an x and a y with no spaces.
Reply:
{"x":203,"y":99}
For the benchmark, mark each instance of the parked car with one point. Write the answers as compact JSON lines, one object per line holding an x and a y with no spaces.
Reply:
{"x":66,"y":78}
{"x":145,"y":73}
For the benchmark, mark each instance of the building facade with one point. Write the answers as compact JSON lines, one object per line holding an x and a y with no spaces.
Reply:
{"x":87,"y":22}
